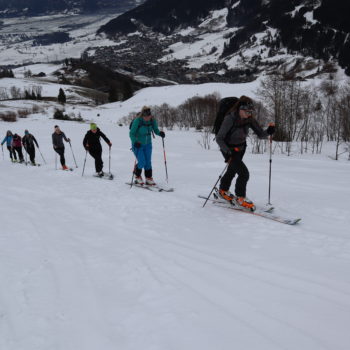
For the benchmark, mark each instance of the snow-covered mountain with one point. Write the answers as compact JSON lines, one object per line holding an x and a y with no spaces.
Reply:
{"x":35,"y":7}
{"x":233,"y":40}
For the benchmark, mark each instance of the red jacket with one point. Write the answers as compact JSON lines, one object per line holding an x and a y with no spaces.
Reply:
{"x":16,"y":141}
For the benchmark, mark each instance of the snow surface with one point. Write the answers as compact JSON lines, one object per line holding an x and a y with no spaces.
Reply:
{"x":92,"y":264}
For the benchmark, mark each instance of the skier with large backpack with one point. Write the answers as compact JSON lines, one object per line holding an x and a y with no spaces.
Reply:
{"x":141,"y":132}
{"x":93,"y":145}
{"x":231,"y":138}
{"x":57,"y":141}
{"x":29,"y":142}
{"x":9,"y":140}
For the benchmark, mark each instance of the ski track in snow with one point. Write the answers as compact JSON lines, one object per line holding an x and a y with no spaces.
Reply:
{"x":88,"y":264}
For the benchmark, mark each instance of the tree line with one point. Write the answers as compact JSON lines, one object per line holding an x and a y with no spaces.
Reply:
{"x":305,"y":116}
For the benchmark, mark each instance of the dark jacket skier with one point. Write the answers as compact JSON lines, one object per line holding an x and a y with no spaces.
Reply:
{"x":232,"y":141}
{"x":92,"y":144}
{"x":57,"y":141}
{"x":17,"y":147}
{"x":29,"y":142}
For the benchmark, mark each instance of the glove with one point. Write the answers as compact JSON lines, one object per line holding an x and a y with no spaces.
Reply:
{"x":137,"y":144}
{"x":110,"y":144}
{"x":162,"y":134}
{"x":271,"y":129}
{"x":86,"y":147}
{"x":228,"y":155}
{"x":68,"y":139}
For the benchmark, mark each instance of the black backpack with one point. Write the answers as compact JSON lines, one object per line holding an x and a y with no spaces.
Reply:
{"x":225,"y":105}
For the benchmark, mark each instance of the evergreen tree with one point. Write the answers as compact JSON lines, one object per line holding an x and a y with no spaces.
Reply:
{"x":61,"y":97}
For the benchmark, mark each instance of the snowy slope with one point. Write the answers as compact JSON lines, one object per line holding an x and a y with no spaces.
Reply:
{"x":90,"y":264}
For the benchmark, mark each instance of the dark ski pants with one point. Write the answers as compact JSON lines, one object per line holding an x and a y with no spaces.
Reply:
{"x":31,"y":153}
{"x":12,"y":153}
{"x":19,"y":152}
{"x":60,"y":151}
{"x":236,"y":166}
{"x":97,"y":155}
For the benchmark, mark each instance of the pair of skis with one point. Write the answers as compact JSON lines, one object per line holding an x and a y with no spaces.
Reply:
{"x":265,"y":212}
{"x":106,"y":176}
{"x":153,"y":188}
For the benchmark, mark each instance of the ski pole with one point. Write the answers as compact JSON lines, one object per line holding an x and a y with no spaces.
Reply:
{"x":55,"y":160}
{"x":3,"y":156}
{"x":166,"y":168}
{"x":41,"y":155}
{"x":76,"y":165}
{"x":84,"y":164}
{"x":228,"y":163}
{"x":269,"y":203}
{"x":133,"y":171}
{"x":26,"y":156}
{"x":109,"y":161}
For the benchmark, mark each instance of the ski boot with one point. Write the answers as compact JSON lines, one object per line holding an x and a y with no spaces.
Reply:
{"x":64,"y":167}
{"x":139,"y":181}
{"x":245,"y":203}
{"x":150,"y":182}
{"x":225,"y":196}
{"x":101,"y":174}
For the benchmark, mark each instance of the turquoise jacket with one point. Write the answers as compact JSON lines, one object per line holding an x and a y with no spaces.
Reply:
{"x":141,"y":131}
{"x":8,"y":140}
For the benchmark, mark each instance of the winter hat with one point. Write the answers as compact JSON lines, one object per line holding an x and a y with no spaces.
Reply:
{"x":146,"y":110}
{"x":93,"y":126}
{"x":245,"y":103}
{"x":26,"y":132}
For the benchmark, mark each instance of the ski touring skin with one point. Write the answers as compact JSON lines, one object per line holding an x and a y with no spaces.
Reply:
{"x":259,"y":211}
{"x":154,"y":188}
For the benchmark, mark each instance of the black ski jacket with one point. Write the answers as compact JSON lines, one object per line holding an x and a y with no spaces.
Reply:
{"x":92,"y":140}
{"x":28,"y":141}
{"x":234,"y":131}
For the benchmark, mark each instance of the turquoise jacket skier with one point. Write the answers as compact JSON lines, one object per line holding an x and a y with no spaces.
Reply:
{"x":142,"y":130}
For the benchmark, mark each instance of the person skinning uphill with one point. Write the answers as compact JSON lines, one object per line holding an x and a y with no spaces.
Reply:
{"x":231,"y":139}
{"x":141,"y":132}
{"x":29,"y":142}
{"x":57,"y":141}
{"x":9,"y":140}
{"x":17,"y":147}
{"x":93,"y":145}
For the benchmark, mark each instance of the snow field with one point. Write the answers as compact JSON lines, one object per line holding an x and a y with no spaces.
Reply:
{"x":88,"y":264}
